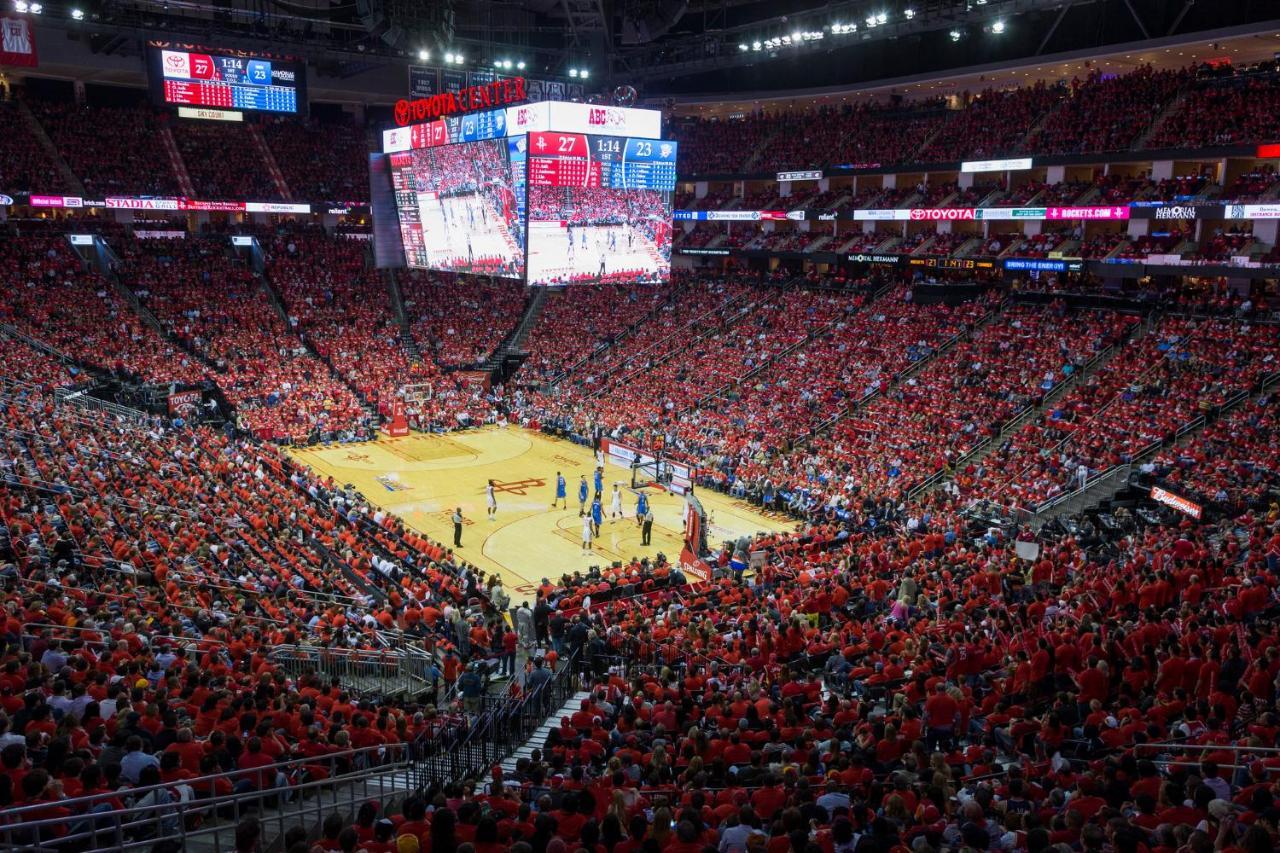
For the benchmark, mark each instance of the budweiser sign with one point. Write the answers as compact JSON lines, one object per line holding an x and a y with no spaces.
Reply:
{"x":499,"y":93}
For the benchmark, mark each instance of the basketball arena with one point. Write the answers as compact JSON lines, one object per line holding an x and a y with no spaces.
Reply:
{"x":654,"y":426}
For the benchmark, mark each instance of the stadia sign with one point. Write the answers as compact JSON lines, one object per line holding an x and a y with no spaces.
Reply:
{"x":499,"y":93}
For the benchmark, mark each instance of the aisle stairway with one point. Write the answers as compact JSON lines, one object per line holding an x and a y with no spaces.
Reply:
{"x":539,"y":737}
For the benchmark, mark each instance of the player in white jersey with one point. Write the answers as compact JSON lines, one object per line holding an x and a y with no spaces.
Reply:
{"x":615,"y":505}
{"x":586,"y":534}
{"x":492,"y":500}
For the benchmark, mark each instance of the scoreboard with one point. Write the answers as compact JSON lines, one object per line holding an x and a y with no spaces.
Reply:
{"x":200,"y":77}
{"x":610,"y":162}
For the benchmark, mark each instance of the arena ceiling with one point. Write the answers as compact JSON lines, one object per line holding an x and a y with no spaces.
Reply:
{"x":664,"y":47}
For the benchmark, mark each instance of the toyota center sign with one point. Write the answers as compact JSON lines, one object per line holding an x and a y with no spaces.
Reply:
{"x":499,"y":93}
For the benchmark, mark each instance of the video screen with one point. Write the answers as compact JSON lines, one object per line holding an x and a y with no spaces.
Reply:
{"x":579,"y":234}
{"x":187,"y":75}
{"x":458,"y":208}
{"x":599,"y":208}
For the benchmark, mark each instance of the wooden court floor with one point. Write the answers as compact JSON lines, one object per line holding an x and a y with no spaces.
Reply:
{"x":422,"y":478}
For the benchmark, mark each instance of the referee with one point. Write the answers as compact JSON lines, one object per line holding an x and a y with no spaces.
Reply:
{"x":457,"y":527}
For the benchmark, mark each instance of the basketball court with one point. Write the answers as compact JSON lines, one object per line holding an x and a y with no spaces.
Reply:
{"x":556,"y":252}
{"x":451,"y":225}
{"x":422,"y":478}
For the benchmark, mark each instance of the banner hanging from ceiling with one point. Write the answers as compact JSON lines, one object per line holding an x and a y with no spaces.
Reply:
{"x":17,"y":43}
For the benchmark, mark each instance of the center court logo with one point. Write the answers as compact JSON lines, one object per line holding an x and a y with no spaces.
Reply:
{"x":519,"y":487}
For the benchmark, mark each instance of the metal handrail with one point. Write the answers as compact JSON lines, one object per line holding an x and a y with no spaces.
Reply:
{"x":143,"y":826}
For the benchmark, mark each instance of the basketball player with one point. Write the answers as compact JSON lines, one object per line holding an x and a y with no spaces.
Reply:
{"x":599,"y":482}
{"x":561,"y":492}
{"x":582,"y":495}
{"x":615,"y":505}
{"x":597,"y":515}
{"x":492,"y":500}
{"x":586,"y":534}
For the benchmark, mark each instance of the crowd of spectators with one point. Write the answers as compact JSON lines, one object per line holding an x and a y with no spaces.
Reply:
{"x":457,"y":319}
{"x":1180,"y":370}
{"x":1225,"y":114}
{"x":578,"y":320}
{"x":112,"y":150}
{"x":992,"y":123}
{"x":51,"y":297}
{"x":320,"y":160}
{"x":344,"y":310}
{"x":280,"y":390}
{"x":24,"y":162}
{"x":223,"y":161}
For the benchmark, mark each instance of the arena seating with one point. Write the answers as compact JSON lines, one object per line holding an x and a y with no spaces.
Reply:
{"x":344,"y":311}
{"x":915,"y":667}
{"x":112,"y":150}
{"x":580,"y":319}
{"x":236,"y":171}
{"x":460,"y":320}
{"x":1240,"y":111}
{"x":24,"y":163}
{"x":78,"y":313}
{"x":1144,"y":394}
{"x":320,"y":161}
{"x":279,"y":388}
{"x":993,"y":124}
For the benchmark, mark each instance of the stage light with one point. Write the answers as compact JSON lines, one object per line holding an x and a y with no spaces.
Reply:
{"x":882,"y":18}
{"x":584,"y":74}
{"x":755,"y":45}
{"x":20,"y":6}
{"x":909,"y":13}
{"x":77,"y":15}
{"x":955,"y":35}
{"x":423,"y":55}
{"x":871,"y":20}
{"x":573,"y":72}
{"x":997,"y":27}
{"x":797,"y":36}
{"x":520,"y":65}
{"x":36,"y":8}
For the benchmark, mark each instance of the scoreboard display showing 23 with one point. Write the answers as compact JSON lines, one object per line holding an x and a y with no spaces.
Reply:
{"x":202,"y":77}
{"x":608,"y":162}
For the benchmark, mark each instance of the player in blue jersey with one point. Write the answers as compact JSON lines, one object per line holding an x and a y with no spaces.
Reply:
{"x":561,"y":492}
{"x":582,"y":495}
{"x":597,"y":515}
{"x":642,"y":505}
{"x":599,"y":482}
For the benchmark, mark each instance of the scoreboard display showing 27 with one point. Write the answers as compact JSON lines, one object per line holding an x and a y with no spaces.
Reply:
{"x":609,"y":162}
{"x":599,"y":208}
{"x":227,"y":80}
